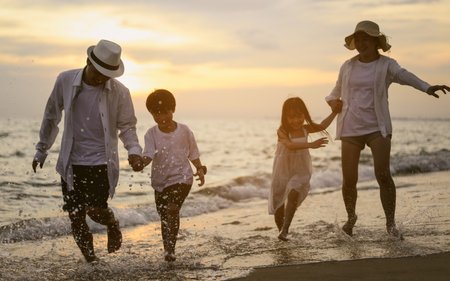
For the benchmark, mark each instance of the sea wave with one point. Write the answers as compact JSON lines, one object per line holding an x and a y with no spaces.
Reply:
{"x":423,"y":162}
{"x":221,"y":196}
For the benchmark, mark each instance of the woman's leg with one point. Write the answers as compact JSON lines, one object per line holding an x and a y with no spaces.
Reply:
{"x":350,"y":159}
{"x":381,"y":150}
{"x":291,"y":207}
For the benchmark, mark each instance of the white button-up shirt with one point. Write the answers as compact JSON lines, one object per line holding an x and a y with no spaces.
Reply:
{"x":117,"y":114}
{"x":387,"y":71}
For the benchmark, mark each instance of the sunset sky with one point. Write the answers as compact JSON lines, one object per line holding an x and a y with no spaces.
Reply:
{"x":221,"y":58}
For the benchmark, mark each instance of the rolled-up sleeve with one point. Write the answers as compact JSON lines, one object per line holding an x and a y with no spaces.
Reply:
{"x":336,"y":92}
{"x":404,"y":77}
{"x":49,"y":126}
{"x":126,"y":123}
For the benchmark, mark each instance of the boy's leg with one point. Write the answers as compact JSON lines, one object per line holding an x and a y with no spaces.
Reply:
{"x":381,"y":149}
{"x":291,"y":207}
{"x":279,"y":217}
{"x":350,"y":159}
{"x":173,"y":226}
{"x":168,"y":204}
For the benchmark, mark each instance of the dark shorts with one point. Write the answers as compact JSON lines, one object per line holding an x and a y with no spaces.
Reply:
{"x":91,"y":188}
{"x":361,"y":141}
{"x":176,"y":194}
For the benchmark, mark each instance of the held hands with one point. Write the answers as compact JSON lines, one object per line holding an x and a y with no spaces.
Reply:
{"x":432,"y":90}
{"x":336,"y":106}
{"x":136,"y":162}
{"x":319,"y":143}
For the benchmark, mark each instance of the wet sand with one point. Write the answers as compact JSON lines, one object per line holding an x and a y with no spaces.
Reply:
{"x":232,"y":242}
{"x":419,"y":268}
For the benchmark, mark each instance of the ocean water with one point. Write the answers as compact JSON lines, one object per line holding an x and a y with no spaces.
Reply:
{"x":239,"y":155}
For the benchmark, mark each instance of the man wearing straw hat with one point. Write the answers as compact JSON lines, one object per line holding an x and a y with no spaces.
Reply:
{"x":97,"y":110}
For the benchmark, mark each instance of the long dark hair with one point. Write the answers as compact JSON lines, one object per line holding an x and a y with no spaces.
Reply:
{"x":296,"y":104}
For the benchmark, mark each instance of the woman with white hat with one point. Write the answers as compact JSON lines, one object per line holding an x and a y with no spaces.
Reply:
{"x":362,"y":86}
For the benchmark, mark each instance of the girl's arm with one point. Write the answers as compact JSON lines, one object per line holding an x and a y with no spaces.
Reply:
{"x":284,"y":139}
{"x":327,"y":121}
{"x":304,"y":145}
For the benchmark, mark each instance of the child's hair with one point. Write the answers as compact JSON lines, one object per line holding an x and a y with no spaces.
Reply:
{"x":297,"y":105}
{"x":160,"y":100}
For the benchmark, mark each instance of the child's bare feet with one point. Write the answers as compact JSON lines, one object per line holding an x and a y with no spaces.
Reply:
{"x":170,"y":257}
{"x":283,"y":236}
{"x":348,"y":226}
{"x":394,"y":232}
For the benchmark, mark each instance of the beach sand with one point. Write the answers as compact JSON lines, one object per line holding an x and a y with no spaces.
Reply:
{"x":433,"y":267}
{"x":231,"y":243}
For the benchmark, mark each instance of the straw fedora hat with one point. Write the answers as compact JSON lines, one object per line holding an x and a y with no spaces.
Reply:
{"x":371,"y":29}
{"x":105,"y":56}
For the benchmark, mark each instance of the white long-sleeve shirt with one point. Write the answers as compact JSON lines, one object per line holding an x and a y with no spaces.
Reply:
{"x":387,"y":71}
{"x":117,"y":114}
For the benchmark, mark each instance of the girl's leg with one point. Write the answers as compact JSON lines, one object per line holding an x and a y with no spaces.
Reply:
{"x":350,"y":159}
{"x":279,"y":217}
{"x":381,"y":149}
{"x":291,"y":207}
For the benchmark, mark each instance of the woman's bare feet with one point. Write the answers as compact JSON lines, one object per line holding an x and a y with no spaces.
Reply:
{"x":394,"y":232}
{"x":348,"y":226}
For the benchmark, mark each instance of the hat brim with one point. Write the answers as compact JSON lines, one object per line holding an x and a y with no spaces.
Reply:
{"x":107,"y":72}
{"x":383,"y":44}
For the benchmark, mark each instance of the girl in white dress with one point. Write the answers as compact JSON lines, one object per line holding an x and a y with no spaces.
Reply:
{"x":292,"y":164}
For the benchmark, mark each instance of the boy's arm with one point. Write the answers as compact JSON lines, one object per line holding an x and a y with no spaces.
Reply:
{"x":201,"y":171}
{"x":146,"y":160}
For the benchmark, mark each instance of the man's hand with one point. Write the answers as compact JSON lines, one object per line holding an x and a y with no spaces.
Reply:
{"x":35,"y":163}
{"x":136,"y":162}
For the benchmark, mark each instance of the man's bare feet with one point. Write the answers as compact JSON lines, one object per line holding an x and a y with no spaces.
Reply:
{"x":348,"y":226}
{"x":114,"y":237}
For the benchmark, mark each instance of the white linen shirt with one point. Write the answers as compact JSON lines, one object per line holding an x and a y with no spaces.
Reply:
{"x":387,"y":71}
{"x":117,"y":114}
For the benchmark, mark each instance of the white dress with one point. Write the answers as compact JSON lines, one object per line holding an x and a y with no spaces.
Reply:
{"x":291,"y":171}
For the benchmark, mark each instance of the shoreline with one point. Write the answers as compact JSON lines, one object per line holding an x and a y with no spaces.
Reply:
{"x":232,"y":242}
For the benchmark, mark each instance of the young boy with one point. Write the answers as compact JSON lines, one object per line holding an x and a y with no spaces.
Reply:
{"x":170,"y":145}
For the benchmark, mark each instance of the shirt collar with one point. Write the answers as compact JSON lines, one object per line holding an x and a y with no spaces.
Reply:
{"x":78,"y":80}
